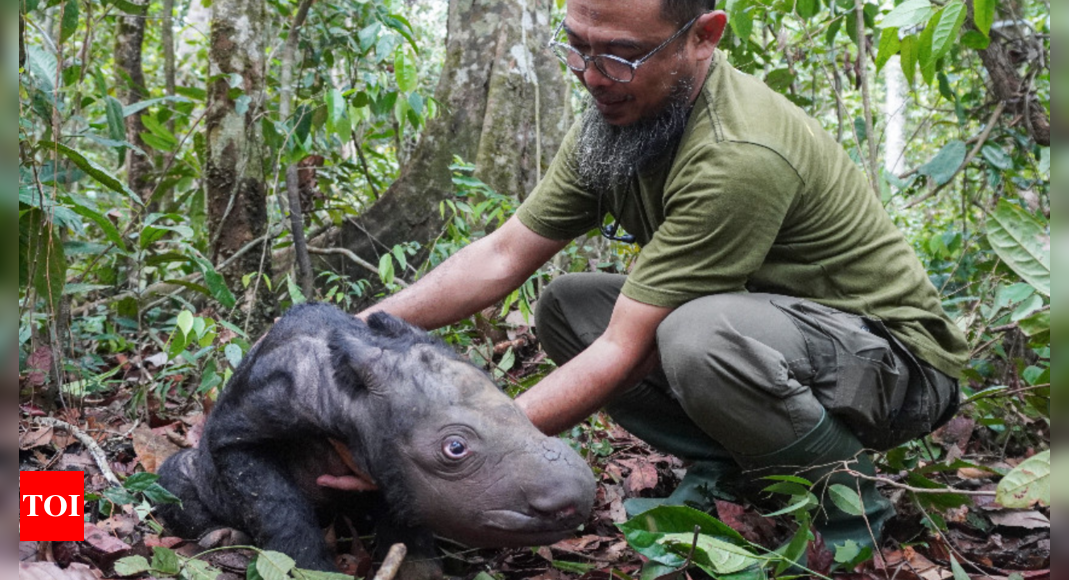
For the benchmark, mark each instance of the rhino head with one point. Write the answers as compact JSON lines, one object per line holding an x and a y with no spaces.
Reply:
{"x":457,"y":455}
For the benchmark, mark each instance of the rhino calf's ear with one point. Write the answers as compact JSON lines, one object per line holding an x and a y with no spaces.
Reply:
{"x":354,"y":361}
{"x":385,"y":324}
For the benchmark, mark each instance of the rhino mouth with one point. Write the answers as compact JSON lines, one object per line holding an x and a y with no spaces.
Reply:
{"x":538,"y":525}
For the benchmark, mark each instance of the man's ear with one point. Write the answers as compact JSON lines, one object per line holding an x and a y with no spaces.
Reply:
{"x":710,"y":27}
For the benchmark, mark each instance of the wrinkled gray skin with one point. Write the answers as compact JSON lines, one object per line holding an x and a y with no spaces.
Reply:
{"x":451,"y":454}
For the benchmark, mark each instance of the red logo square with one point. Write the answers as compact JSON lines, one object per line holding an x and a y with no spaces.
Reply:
{"x":51,"y":506}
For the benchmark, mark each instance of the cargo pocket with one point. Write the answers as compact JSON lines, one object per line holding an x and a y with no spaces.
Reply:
{"x":855,"y":373}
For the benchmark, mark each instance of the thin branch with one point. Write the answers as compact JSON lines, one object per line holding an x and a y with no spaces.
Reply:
{"x":862,"y":71}
{"x":300,"y":245}
{"x":910,"y":488}
{"x":89,"y":443}
{"x":355,"y":259}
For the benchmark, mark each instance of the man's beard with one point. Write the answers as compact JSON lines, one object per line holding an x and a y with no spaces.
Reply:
{"x":608,"y":156}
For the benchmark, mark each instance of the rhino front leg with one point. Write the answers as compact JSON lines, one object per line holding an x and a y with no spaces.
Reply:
{"x":272,"y":508}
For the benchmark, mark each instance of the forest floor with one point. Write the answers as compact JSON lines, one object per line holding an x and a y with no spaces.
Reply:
{"x":98,"y":435}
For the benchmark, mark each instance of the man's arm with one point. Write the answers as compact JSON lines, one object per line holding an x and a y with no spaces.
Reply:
{"x":472,"y":279}
{"x":616,"y":361}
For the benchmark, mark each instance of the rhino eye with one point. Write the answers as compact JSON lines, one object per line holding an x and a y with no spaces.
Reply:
{"x":455,"y":448}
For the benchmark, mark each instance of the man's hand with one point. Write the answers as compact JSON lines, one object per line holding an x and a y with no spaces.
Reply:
{"x":617,"y":360}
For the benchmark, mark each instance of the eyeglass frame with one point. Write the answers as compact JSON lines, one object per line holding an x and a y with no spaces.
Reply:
{"x":596,"y":59}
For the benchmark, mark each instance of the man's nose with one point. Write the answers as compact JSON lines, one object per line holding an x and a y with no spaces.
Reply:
{"x":592,"y":78}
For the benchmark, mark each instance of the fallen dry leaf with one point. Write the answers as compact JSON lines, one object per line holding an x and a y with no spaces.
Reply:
{"x":152,"y":448}
{"x":34,"y":438}
{"x":642,"y":477}
{"x":51,"y":571}
{"x":103,"y":541}
{"x":1030,"y":520}
{"x":120,"y":525}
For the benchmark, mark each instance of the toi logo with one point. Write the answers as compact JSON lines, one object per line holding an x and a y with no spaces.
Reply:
{"x":50,"y":506}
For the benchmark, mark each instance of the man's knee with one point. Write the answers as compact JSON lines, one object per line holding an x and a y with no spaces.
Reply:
{"x":573,"y":311}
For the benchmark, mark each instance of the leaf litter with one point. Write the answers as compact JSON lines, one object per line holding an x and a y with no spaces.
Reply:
{"x":989,"y":541}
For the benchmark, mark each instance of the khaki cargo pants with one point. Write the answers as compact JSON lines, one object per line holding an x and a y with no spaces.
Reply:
{"x":750,"y":374}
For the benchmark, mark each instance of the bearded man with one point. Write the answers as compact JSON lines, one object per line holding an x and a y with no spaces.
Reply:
{"x":776,"y":322}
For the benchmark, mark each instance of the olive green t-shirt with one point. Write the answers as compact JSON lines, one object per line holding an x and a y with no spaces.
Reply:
{"x":758,"y":197}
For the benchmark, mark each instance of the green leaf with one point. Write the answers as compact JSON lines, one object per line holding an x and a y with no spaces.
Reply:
{"x":116,"y":126}
{"x":233,"y":354}
{"x":109,"y":229}
{"x":950,"y":21}
{"x":908,"y":14}
{"x":1022,"y":241}
{"x":846,"y":499}
{"x":274,"y":566}
{"x":140,"y":481}
{"x":142,"y":105}
{"x":199,"y":570}
{"x":157,"y":494}
{"x":1044,"y":161}
{"x":185,"y":322}
{"x":847,"y":552}
{"x":98,"y":173}
{"x":643,"y":531}
{"x":975,"y":40}
{"x":165,"y":561}
{"x":740,"y":18}
{"x":910,"y":55}
{"x":984,"y":15}
{"x":807,"y":8}
{"x":1026,"y":485}
{"x":132,"y":566}
{"x":69,"y":23}
{"x":959,"y":572}
{"x":925,"y":53}
{"x":800,"y":503}
{"x":1036,"y":326}
{"x":386,"y":272}
{"x":997,"y":157}
{"x":405,"y":71}
{"x":712,"y":554}
{"x":889,"y":46}
{"x":942,"y":168}
{"x":780,"y":80}
{"x":368,"y":36}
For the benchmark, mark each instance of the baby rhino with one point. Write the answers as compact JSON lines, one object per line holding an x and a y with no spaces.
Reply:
{"x":449,"y":453}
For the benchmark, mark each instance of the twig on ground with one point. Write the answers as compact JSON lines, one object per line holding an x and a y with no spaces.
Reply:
{"x":910,"y":488}
{"x":90,"y":445}
{"x":392,"y":563}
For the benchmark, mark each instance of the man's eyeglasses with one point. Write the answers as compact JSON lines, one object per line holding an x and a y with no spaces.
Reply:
{"x":618,"y":69}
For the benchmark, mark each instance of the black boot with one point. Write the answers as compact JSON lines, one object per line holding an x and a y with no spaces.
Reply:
{"x":818,"y":457}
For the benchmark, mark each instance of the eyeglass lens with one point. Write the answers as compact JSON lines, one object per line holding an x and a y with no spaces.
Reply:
{"x":614,"y":69}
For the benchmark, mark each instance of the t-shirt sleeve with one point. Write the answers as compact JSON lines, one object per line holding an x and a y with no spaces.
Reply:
{"x":558,"y":208}
{"x":724,"y":207}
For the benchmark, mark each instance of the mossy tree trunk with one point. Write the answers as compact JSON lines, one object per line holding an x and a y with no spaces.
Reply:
{"x":237,"y":198}
{"x":503,"y":108}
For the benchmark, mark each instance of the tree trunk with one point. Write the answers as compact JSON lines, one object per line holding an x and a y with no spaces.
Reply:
{"x":1009,"y":86}
{"x":130,"y":83}
{"x":237,"y":200}
{"x":490,"y":84}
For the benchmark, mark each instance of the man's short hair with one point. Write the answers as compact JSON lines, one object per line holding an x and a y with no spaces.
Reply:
{"x":682,"y":11}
